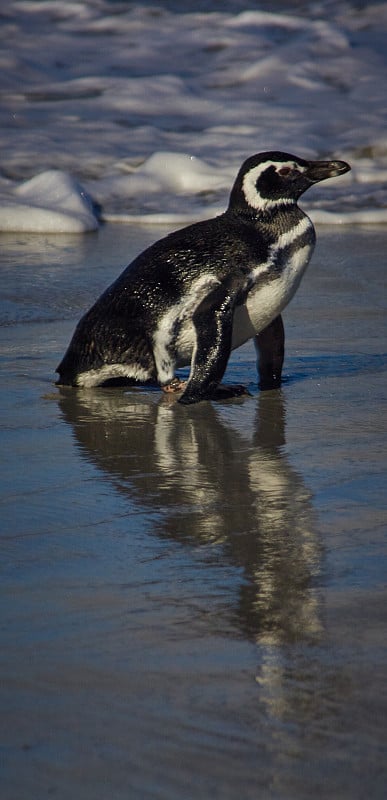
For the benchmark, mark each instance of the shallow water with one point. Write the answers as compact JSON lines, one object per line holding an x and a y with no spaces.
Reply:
{"x":194,"y":598}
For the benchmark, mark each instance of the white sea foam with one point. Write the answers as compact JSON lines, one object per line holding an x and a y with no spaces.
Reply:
{"x":52,"y":201}
{"x":151,"y":111}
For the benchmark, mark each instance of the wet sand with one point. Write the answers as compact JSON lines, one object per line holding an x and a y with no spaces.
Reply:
{"x":194,"y":598}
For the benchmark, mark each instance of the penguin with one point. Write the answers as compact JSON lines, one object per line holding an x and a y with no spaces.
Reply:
{"x":204,"y":290}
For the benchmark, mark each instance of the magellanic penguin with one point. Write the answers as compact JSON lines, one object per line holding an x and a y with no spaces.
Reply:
{"x":202,"y":291}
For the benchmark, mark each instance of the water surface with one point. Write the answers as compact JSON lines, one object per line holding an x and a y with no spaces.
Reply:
{"x":194,"y":598}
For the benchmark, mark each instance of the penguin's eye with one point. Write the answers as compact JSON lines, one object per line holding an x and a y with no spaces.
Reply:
{"x":285,"y":171}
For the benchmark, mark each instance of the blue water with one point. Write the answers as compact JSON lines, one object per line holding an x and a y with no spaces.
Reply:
{"x":194,"y":599}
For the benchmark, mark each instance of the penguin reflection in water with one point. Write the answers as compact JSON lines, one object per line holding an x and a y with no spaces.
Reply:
{"x":202,"y":291}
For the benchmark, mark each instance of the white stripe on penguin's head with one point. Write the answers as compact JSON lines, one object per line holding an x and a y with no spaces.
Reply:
{"x":250,"y":182}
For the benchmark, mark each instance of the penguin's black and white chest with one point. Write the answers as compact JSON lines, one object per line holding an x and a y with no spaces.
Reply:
{"x":265,"y":289}
{"x":273,"y":282}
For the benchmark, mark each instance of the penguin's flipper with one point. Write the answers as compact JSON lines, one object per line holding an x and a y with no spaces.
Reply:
{"x":270,"y":347}
{"x":213,"y":328}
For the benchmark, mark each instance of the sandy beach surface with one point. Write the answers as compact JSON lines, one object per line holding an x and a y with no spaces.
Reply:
{"x":194,"y":598}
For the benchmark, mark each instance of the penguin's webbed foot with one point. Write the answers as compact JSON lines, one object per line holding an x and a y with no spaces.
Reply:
{"x":269,"y":381}
{"x":224,"y":391}
{"x":174,"y":386}
{"x":220,"y":392}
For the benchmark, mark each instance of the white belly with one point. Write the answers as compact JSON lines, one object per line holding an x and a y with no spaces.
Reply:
{"x":264,"y":303}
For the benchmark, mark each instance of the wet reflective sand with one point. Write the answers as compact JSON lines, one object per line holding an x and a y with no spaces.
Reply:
{"x":194,"y":598}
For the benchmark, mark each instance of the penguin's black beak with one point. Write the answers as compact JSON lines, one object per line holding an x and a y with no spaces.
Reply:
{"x":320,"y":170}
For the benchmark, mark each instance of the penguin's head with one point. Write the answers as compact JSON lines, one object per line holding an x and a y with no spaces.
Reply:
{"x":272,"y":179}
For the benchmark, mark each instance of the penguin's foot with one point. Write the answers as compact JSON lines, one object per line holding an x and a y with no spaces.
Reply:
{"x":268,"y":382}
{"x":221,"y":392}
{"x":174,"y":386}
{"x":224,"y":392}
